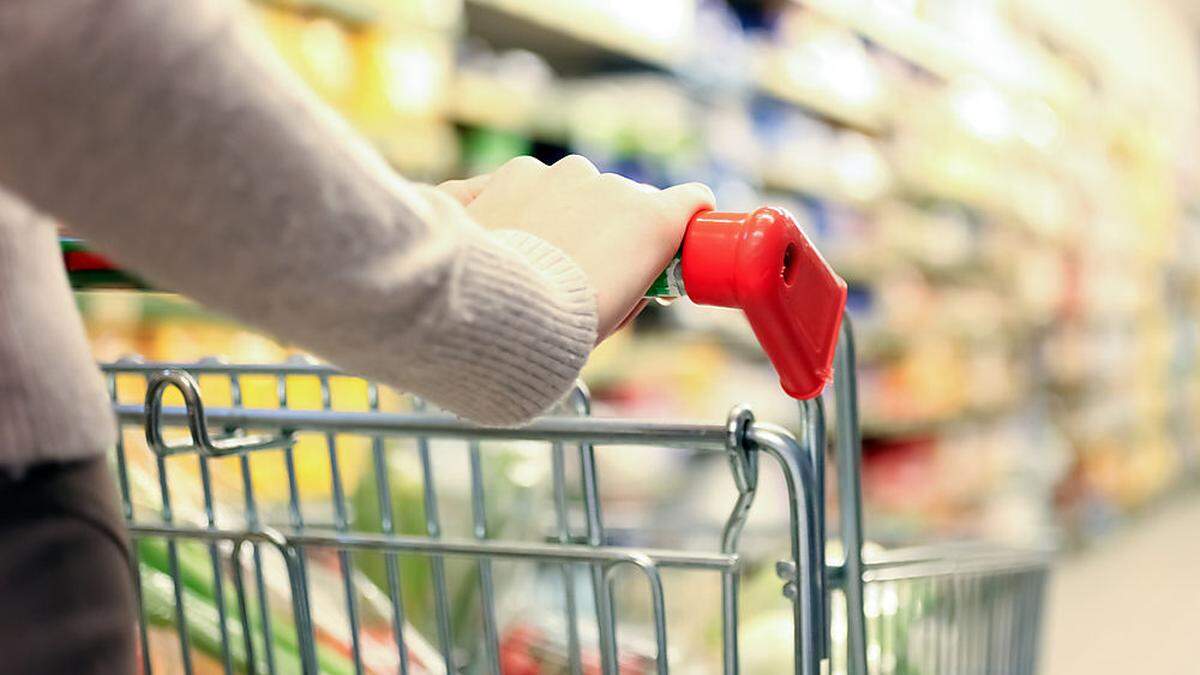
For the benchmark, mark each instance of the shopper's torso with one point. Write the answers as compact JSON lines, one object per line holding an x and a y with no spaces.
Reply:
{"x":53,"y":405}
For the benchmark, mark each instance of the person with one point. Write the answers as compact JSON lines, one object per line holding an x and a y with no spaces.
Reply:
{"x":168,"y":136}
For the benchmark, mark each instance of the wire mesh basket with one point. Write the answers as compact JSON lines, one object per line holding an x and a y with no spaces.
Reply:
{"x":942,"y":610}
{"x":289,"y":518}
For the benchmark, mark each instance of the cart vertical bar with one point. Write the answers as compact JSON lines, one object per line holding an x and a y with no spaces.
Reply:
{"x":210,"y":517}
{"x":433,"y":527}
{"x":562,"y":520}
{"x":239,"y":589}
{"x":487,"y":588}
{"x":605,"y":621}
{"x":730,"y":583}
{"x":801,"y":571}
{"x":812,"y":412}
{"x":849,"y":450}
{"x":341,"y":522}
{"x":294,"y":556}
{"x":743,"y":464}
{"x":153,"y":397}
{"x":387,"y":524}
{"x":127,"y":510}
{"x":253,"y":522}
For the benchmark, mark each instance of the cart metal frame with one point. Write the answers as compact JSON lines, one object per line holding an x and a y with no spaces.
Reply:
{"x":977,"y":610}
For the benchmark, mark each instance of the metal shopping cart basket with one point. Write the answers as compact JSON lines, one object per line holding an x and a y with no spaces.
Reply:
{"x":289,"y":518}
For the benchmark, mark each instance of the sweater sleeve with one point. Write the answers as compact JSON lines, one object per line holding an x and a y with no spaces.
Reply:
{"x":168,"y":135}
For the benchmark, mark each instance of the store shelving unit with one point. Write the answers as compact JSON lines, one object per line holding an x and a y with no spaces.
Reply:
{"x":917,"y":121}
{"x":947,"y":56}
{"x":573,"y":47}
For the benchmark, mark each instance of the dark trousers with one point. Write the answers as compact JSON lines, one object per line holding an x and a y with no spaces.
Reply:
{"x":66,"y":595}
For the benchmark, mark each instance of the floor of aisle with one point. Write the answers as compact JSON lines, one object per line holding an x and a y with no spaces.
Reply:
{"x":1132,"y":603}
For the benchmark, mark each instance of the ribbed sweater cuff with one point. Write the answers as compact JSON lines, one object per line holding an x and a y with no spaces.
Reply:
{"x":525,"y":328}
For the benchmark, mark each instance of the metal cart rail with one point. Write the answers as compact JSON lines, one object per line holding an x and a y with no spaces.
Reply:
{"x":934,"y":610}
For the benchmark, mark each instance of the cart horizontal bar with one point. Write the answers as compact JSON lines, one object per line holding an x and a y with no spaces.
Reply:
{"x":995,"y":564}
{"x":557,"y":553}
{"x":611,"y":431}
{"x":949,"y":552}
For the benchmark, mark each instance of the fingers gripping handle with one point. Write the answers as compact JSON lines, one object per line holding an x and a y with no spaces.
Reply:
{"x":762,"y":263}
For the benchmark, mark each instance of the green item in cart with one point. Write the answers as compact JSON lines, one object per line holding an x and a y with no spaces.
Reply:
{"x":203,"y":624}
{"x":204,"y":634}
{"x":510,"y":488}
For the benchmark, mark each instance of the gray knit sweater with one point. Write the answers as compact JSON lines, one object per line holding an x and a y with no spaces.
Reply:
{"x":162,"y":132}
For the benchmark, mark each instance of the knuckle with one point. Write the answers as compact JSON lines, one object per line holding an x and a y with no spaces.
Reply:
{"x":576,"y":163}
{"x":521,"y":164}
{"x":616,"y":181}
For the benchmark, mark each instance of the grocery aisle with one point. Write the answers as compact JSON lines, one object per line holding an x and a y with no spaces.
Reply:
{"x":1007,"y":187}
{"x":1130,"y":604}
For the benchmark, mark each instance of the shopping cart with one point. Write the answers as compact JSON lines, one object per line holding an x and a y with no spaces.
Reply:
{"x":297,"y":525}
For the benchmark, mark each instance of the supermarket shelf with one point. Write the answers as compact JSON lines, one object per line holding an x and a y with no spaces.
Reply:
{"x":883,"y":345}
{"x":347,"y":12}
{"x":483,"y":102}
{"x":486,"y":102}
{"x":814,"y":100}
{"x":864,"y":271}
{"x":823,"y":185}
{"x":901,"y":33}
{"x":945,"y":55}
{"x":887,"y":429}
{"x":987,"y":202}
{"x":576,"y":48}
{"x":572,"y":47}
{"x":819,"y":187}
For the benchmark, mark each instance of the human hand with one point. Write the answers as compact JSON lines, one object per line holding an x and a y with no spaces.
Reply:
{"x":621,"y":233}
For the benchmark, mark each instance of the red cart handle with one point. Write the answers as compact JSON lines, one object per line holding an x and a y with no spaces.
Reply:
{"x":763,"y":263}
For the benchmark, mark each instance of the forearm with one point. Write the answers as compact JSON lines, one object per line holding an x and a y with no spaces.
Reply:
{"x":162,"y":132}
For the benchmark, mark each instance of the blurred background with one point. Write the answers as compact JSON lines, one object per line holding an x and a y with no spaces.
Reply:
{"x":1010,"y":187}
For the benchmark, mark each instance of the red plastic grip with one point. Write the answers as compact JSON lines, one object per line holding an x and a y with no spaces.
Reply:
{"x":86,"y":261}
{"x":762,"y":263}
